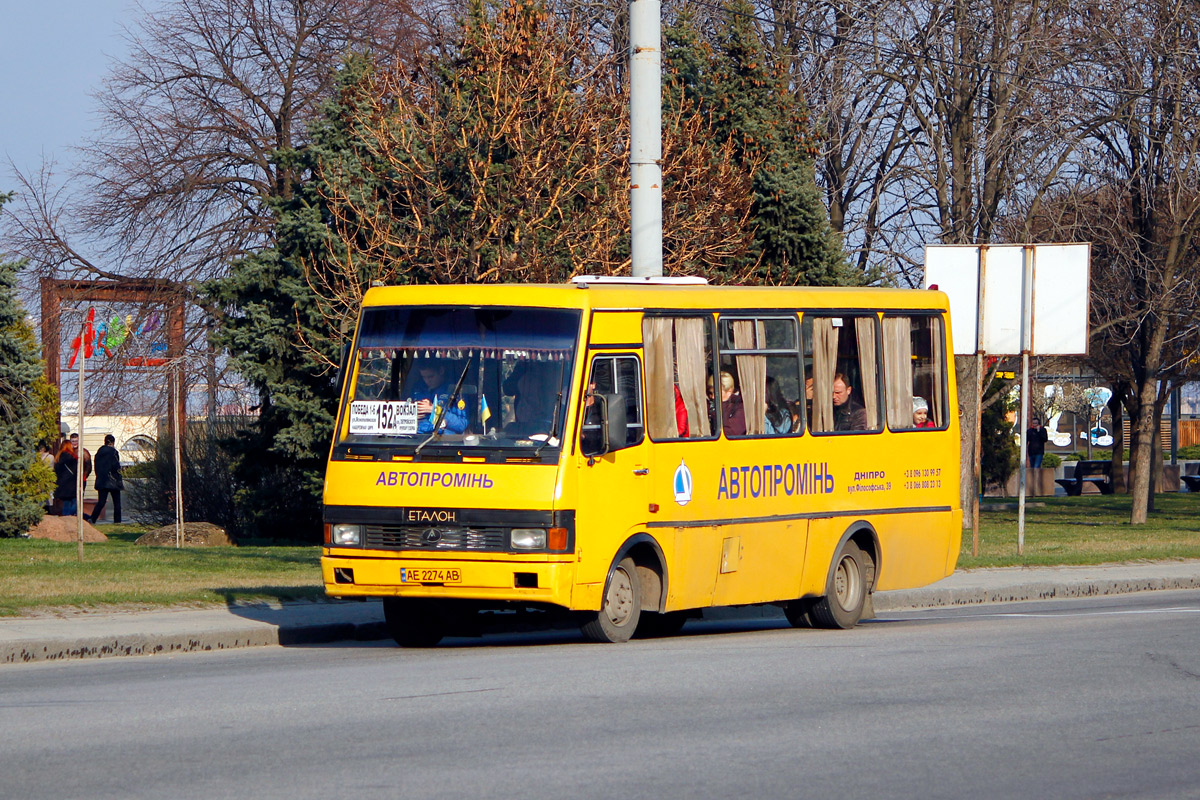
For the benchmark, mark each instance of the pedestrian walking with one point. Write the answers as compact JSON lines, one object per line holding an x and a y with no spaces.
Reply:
{"x":1035,"y":442}
{"x":108,"y":480}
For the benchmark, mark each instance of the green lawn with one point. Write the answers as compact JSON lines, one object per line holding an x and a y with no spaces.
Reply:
{"x":1091,"y":529}
{"x":39,"y":574}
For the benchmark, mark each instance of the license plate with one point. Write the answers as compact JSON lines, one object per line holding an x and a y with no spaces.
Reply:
{"x":430,"y":575}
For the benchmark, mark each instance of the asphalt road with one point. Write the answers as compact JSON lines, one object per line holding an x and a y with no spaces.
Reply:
{"x":1058,"y":699}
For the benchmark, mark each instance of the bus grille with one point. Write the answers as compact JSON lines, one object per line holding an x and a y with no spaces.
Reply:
{"x":397,"y":537}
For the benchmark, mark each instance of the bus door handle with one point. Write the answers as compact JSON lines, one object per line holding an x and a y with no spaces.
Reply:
{"x":642,"y":471}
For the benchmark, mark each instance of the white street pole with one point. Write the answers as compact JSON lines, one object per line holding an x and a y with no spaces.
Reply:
{"x":1026,"y":347}
{"x":645,"y":138}
{"x":175,"y":376}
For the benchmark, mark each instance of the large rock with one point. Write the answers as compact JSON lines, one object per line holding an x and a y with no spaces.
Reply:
{"x":65,"y":529}
{"x":195,"y":534}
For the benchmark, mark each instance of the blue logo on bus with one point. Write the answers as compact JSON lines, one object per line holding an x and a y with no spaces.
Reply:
{"x":683,"y":484}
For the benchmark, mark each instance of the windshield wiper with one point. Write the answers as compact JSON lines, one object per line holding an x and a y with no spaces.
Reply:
{"x":437,"y":430}
{"x":554,"y":419}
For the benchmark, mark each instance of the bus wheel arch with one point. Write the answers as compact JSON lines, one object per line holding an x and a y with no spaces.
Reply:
{"x":850,"y":581}
{"x":636,"y":577}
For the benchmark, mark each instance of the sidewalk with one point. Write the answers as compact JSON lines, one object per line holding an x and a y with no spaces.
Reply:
{"x":95,"y":635}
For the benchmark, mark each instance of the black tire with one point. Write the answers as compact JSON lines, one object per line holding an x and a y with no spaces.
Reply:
{"x":617,"y":619}
{"x":799,"y":612}
{"x":842,"y":605}
{"x":654,"y":625}
{"x":413,"y":623}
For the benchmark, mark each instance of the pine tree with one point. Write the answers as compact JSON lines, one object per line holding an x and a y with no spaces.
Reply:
{"x":752,"y":106}
{"x":23,"y":485}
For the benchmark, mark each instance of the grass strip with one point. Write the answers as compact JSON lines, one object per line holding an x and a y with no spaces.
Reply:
{"x":1089,"y":529}
{"x":39,"y":575}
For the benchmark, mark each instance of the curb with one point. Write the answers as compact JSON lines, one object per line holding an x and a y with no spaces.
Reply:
{"x":933,"y":597}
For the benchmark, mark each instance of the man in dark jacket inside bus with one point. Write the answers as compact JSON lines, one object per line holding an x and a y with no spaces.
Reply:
{"x":108,"y":480}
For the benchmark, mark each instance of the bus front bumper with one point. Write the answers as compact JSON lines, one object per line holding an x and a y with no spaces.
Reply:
{"x":497,"y":581}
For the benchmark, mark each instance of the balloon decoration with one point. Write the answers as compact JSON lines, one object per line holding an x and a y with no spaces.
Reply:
{"x":107,"y":338}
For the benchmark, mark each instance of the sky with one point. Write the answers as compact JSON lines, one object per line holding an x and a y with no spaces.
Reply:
{"x":53,"y":56}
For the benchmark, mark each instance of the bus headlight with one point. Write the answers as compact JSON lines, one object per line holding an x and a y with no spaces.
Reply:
{"x":345,"y":535}
{"x":528,"y":539}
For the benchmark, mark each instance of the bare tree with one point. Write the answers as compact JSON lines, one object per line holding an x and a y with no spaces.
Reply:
{"x":181,"y":177}
{"x":1136,"y":196}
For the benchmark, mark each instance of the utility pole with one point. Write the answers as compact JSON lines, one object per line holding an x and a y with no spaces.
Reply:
{"x":645,"y":138}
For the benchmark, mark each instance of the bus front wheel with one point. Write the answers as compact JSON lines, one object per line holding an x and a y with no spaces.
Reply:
{"x":618,"y":616}
{"x":842,"y":605}
{"x":411,"y":622}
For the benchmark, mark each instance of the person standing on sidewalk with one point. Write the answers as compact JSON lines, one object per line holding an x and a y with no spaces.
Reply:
{"x":65,"y":489}
{"x":108,"y":480}
{"x":1035,"y":442}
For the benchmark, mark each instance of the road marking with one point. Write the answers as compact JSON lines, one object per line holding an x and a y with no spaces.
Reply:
{"x":1054,"y":614}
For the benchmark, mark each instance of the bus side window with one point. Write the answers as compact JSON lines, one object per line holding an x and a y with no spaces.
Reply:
{"x":915,"y":371}
{"x":763,"y":357}
{"x":678,"y":363}
{"x":620,"y":378}
{"x":845,"y":372}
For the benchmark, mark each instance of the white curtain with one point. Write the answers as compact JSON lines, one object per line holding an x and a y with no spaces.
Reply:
{"x":868,"y":366}
{"x":897,"y":371}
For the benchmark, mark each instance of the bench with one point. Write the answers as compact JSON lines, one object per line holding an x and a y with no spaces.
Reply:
{"x":1098,"y":473}
{"x":1192,"y":481}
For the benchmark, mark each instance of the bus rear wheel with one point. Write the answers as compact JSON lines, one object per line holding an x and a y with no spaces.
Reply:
{"x":842,"y":605}
{"x":618,"y":616}
{"x":413,"y":623}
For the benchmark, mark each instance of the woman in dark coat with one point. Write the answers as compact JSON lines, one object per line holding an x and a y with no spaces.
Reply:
{"x":65,"y":465}
{"x":108,"y":480}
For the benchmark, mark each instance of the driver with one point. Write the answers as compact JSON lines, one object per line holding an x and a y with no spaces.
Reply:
{"x":431,"y":396}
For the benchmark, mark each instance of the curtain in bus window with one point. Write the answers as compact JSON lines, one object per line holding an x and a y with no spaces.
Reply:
{"x":897,"y":366}
{"x":937,"y":411}
{"x":660,"y":374}
{"x":869,"y":366}
{"x":752,"y":373}
{"x":825,"y":348}
{"x":690,"y":363}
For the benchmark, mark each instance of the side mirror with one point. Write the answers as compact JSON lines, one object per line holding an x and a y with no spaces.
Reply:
{"x":615,"y":425}
{"x":347,"y":360}
{"x":613,"y":430}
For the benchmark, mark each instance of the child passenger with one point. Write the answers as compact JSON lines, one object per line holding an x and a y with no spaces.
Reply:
{"x":921,"y":414}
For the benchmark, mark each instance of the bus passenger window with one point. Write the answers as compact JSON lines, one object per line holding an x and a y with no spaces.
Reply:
{"x":678,"y":363}
{"x":915,"y":371}
{"x":615,"y":376}
{"x":763,"y":357}
{"x":845,"y":372}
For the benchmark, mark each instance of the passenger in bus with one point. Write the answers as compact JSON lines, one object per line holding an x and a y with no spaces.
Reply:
{"x":921,"y":414}
{"x":534,"y":384}
{"x":848,"y":413}
{"x":432,"y":395}
{"x":681,"y":417}
{"x":778,"y":418}
{"x":733,"y":412}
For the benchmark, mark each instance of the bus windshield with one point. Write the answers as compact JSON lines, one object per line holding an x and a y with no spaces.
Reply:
{"x":484,"y":377}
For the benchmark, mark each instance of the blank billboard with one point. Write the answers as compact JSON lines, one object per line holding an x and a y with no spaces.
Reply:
{"x":1060,"y":296}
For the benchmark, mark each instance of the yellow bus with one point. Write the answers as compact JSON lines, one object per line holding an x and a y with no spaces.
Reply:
{"x":623,"y":453}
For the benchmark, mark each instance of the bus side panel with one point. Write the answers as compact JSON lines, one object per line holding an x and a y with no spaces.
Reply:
{"x":692,"y":565}
{"x":760,"y":563}
{"x":909,"y":542}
